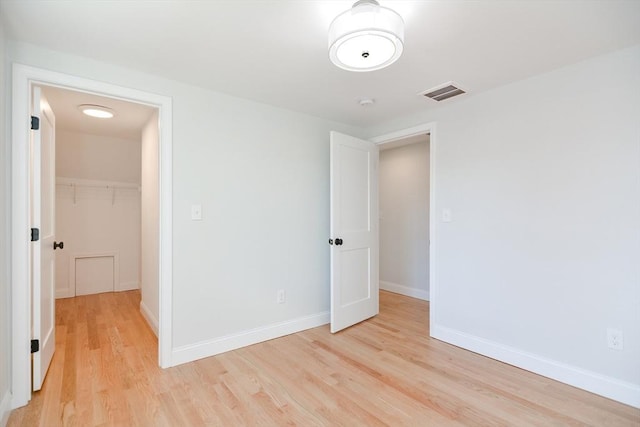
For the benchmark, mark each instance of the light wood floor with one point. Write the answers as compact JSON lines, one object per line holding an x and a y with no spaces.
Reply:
{"x":385,"y":371}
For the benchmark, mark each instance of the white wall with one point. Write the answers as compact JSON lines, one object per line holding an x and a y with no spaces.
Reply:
{"x":5,"y":241}
{"x":92,"y":220}
{"x":261,"y":175}
{"x":149,"y":226}
{"x":97,"y":224}
{"x":542,"y":256}
{"x":97,"y":157}
{"x":404,"y":219}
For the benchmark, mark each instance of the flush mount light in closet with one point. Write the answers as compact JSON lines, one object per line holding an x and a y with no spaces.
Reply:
{"x":96,"y":111}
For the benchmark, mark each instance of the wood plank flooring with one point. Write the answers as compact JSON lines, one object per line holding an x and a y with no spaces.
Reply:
{"x":385,"y":371}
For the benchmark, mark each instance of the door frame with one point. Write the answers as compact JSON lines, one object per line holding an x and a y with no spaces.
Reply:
{"x":422,"y":129}
{"x":24,"y":77}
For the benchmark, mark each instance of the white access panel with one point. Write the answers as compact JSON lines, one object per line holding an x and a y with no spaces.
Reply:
{"x":94,"y":275}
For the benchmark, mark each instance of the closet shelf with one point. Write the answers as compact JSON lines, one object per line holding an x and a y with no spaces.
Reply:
{"x":74,"y":184}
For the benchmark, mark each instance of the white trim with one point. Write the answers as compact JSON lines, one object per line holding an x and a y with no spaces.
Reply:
{"x":421,"y":129}
{"x":20,"y":259}
{"x":65,"y":293}
{"x":149,"y":317}
{"x":609,"y":387}
{"x":405,"y":133}
{"x":23,"y":78}
{"x":404,"y":290}
{"x":127,"y":286}
{"x":5,"y":408}
{"x":165,"y":241}
{"x":191,"y":352}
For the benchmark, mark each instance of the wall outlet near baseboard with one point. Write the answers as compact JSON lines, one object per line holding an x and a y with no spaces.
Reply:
{"x":615,"y":339}
{"x":281,"y":298}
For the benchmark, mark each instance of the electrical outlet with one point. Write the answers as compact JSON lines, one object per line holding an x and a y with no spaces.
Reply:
{"x":281,"y":298}
{"x":615,"y":339}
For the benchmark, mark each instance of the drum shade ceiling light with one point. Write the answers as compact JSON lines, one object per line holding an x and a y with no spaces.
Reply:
{"x":366,"y":37}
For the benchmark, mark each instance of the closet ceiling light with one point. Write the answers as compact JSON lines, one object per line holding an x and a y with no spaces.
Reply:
{"x":366,"y":37}
{"x":96,"y":111}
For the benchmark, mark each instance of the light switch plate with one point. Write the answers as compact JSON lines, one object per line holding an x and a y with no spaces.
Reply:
{"x":196,"y":212}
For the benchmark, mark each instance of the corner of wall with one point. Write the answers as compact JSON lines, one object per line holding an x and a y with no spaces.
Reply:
{"x":151,"y":319}
{"x":404,"y":290}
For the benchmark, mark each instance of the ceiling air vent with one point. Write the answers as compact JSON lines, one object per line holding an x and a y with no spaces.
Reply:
{"x":444,"y":91}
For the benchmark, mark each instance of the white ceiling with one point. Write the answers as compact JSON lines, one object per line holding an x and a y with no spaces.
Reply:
{"x":127,"y":123}
{"x":276,"y":51}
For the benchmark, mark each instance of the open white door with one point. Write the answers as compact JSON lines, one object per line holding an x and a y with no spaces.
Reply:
{"x":354,"y":230}
{"x":43,"y":187}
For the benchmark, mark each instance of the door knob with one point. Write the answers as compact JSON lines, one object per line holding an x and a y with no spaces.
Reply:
{"x":57,"y":245}
{"x":338,"y":242}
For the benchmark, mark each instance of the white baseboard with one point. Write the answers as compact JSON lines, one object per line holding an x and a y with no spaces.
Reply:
{"x":65,"y":293}
{"x":149,"y":317}
{"x":404,"y":290}
{"x":127,"y":286}
{"x":611,"y":388}
{"x":189,"y":353}
{"x":124,"y":286}
{"x":5,"y":408}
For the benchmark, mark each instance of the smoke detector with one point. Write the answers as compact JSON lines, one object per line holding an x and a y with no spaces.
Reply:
{"x":366,"y":102}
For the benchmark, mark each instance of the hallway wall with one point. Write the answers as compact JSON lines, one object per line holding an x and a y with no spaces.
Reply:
{"x":404,"y":219}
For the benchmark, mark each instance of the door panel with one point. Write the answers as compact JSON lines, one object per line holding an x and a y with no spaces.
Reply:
{"x":355,"y":268}
{"x":354,"y":222}
{"x":43,"y":217}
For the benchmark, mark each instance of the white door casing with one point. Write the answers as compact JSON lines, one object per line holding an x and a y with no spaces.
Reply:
{"x":43,"y":149}
{"x":23,"y":79}
{"x":354,"y":230}
{"x":425,"y":128}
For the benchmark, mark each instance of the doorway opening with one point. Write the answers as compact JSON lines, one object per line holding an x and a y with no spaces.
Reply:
{"x":404,"y":216}
{"x":25,"y":80}
{"x":106,"y":188}
{"x":407,"y":206}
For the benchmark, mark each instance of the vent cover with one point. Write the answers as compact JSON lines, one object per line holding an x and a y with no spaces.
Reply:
{"x":443,"y":91}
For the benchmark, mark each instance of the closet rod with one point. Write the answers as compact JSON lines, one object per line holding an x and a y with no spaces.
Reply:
{"x":107,"y":186}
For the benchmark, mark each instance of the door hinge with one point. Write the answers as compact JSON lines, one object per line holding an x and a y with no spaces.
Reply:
{"x":35,"y":234}
{"x":35,"y":346}
{"x":35,"y":123}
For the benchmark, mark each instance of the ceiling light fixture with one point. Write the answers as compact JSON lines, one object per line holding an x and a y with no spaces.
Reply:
{"x":366,"y":37}
{"x":96,"y":111}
